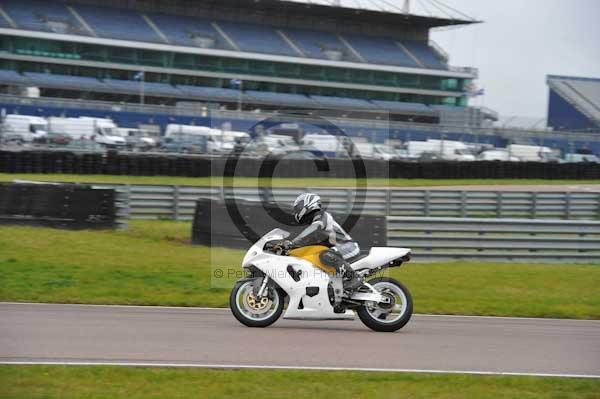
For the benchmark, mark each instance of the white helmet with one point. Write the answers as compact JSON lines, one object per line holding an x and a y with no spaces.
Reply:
{"x":305,"y":204}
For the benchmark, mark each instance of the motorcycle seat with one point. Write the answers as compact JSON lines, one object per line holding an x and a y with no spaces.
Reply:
{"x":379,"y":256}
{"x":358,"y":257}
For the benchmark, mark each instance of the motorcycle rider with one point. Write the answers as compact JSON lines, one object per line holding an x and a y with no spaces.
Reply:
{"x":324,"y":230}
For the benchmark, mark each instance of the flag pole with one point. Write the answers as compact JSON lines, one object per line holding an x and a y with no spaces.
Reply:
{"x":240,"y":90}
{"x":142,"y":87}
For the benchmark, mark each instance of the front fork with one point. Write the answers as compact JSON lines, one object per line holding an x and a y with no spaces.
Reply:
{"x":262,"y":288}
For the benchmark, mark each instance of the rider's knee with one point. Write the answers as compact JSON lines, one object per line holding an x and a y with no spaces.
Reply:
{"x":331,"y":258}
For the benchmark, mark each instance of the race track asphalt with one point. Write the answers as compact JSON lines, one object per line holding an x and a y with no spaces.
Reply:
{"x":212,"y":337}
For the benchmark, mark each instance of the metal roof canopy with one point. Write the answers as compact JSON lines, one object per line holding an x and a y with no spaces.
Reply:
{"x":323,"y":11}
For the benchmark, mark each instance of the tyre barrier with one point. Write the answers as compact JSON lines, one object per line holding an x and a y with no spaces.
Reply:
{"x":67,"y":206}
{"x":215,"y":224}
{"x":113,"y":163}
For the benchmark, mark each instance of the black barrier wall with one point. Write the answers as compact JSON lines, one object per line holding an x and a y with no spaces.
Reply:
{"x":214,"y":225}
{"x":66,"y":206}
{"x":200,"y":166}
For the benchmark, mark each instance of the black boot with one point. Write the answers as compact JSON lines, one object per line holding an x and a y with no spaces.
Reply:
{"x":351,"y":280}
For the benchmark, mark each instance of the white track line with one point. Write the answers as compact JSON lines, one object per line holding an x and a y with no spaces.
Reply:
{"x":312,"y":368}
{"x":150,"y":307}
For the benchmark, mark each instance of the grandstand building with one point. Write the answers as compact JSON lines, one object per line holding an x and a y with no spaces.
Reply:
{"x":235,"y":54}
{"x":574,"y":103}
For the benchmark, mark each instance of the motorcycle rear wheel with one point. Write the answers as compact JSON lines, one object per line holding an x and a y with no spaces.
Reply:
{"x":380,"y":317}
{"x":249,"y":310}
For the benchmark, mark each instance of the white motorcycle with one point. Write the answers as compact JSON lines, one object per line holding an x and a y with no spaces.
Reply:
{"x":314,"y":291}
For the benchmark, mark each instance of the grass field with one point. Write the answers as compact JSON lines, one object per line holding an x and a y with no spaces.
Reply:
{"x":37,"y":382}
{"x":153,"y":264}
{"x":281,"y":182}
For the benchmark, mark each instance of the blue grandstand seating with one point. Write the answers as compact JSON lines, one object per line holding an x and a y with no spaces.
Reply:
{"x":211,"y":93}
{"x":123,"y":85}
{"x":179,"y":30}
{"x":134,"y":87}
{"x":34,"y":15}
{"x":129,"y":25}
{"x":312,"y":43}
{"x":424,"y":53}
{"x":4,"y":23}
{"x":402,"y":107}
{"x":380,"y":50}
{"x":443,"y":107}
{"x":64,"y":82}
{"x":284,"y":99}
{"x":162,"y":89}
{"x":257,"y":38}
{"x":206,"y":93}
{"x":342,"y":102}
{"x":12,"y":77}
{"x":574,"y":103}
{"x":118,"y":24}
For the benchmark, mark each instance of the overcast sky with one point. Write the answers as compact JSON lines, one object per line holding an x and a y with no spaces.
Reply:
{"x":522,"y":41}
{"x":519,"y":43}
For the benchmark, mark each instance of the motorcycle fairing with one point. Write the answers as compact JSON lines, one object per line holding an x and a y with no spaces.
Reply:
{"x":314,"y":306}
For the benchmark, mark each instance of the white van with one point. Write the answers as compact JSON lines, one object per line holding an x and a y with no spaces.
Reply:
{"x":417,"y":148}
{"x":103,"y":131}
{"x":497,"y":155}
{"x":178,"y":133}
{"x":137,"y":138}
{"x":326,"y":143}
{"x":581,"y":158}
{"x":374,"y":151}
{"x":272,"y":144}
{"x":230,"y":138}
{"x":531,"y":153}
{"x":173,"y":130}
{"x":452,"y":150}
{"x":24,"y":128}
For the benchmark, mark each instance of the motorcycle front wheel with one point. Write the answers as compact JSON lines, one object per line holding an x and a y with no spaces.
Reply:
{"x":387,"y":317}
{"x":252,"y":311}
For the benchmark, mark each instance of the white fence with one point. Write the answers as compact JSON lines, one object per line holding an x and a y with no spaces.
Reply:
{"x":518,"y":240}
{"x":502,"y":235}
{"x":177,"y":202}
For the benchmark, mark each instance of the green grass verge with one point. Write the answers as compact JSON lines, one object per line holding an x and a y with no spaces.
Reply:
{"x":36,"y":382}
{"x":281,"y":182}
{"x":153,"y":264}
